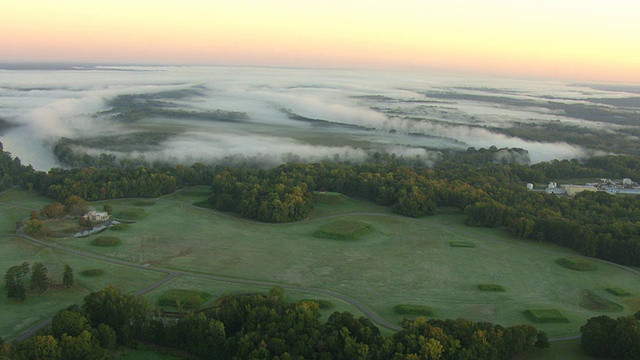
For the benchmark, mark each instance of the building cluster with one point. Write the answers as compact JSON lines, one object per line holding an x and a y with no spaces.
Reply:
{"x":624,"y":186}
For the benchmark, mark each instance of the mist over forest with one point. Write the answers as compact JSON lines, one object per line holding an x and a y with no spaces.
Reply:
{"x":52,"y":116}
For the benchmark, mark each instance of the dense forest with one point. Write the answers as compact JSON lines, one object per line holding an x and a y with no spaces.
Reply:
{"x":263,"y":326}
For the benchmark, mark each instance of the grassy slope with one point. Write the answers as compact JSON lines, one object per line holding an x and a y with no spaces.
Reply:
{"x":403,"y":261}
{"x":17,"y":317}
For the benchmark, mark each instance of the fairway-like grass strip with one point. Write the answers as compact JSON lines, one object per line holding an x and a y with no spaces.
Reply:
{"x":183,"y":298}
{"x":119,"y":227}
{"x":618,"y":291}
{"x":491,"y":287}
{"x":144,"y":203}
{"x":546,"y":316}
{"x":92,"y":272}
{"x":106,"y":241}
{"x":331,"y":198}
{"x":322,"y":304}
{"x":131,"y":214}
{"x":343,"y":230}
{"x":407,"y":309}
{"x":462,"y":244}
{"x":594,"y":302}
{"x":577,"y":264}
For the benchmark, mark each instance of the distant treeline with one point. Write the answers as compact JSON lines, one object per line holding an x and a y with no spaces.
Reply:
{"x":490,"y":193}
{"x":257,"y":326}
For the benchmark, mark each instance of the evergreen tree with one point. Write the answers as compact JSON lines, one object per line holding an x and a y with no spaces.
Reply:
{"x":67,"y":276}
{"x":39,"y":277}
{"x":14,"y":281}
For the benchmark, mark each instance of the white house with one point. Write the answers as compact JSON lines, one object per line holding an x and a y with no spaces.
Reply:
{"x":97,"y":216}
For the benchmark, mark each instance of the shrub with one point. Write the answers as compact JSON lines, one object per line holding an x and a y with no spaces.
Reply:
{"x":463,"y":244}
{"x":490,"y":287}
{"x":594,"y":302}
{"x":343,"y":230}
{"x":322,"y":304}
{"x":406,"y":309}
{"x":92,"y":272}
{"x":106,"y":241}
{"x":546,"y":316}
{"x":186,"y":299}
{"x":618,"y":291}
{"x":577,"y":264}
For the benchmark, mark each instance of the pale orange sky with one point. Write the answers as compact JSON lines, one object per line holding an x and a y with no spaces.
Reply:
{"x":563,"y":39}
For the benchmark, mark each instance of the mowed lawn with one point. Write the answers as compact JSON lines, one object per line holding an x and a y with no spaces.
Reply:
{"x":402,"y":261}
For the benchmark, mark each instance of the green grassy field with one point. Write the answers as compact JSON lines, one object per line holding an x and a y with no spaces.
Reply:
{"x":18,"y":317}
{"x":404,"y":261}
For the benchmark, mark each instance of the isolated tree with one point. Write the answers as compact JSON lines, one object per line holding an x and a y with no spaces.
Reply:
{"x":39,"y":277}
{"x":53,"y":211}
{"x":67,"y":276}
{"x":107,"y":208}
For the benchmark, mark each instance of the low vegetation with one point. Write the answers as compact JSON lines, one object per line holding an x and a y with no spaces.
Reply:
{"x":144,"y":203}
{"x":106,"y":241}
{"x":323,"y":304}
{"x":546,"y":316}
{"x":343,"y":230}
{"x":490,"y":287}
{"x":407,"y":309}
{"x":184,"y":299}
{"x":577,"y":264}
{"x":618,"y":291}
{"x":462,"y":244}
{"x":594,"y":302}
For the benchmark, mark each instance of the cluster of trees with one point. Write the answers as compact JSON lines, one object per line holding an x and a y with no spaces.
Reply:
{"x":274,"y":195}
{"x":264,"y":327}
{"x":94,"y":184}
{"x":11,"y":169}
{"x":15,"y":279}
{"x":604,"y":337}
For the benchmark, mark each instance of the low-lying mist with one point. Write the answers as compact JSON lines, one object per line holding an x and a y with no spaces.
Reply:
{"x":271,"y":116}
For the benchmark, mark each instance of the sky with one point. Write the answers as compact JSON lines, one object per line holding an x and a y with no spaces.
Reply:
{"x":582,"y":40}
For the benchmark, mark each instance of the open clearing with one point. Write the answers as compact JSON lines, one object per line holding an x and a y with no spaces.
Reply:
{"x":401,"y":261}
